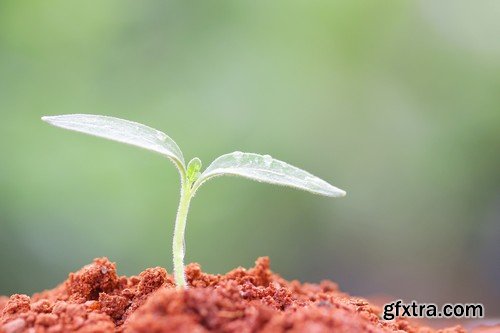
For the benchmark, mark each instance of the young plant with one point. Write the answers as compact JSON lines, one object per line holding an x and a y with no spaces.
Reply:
{"x":262,"y":168}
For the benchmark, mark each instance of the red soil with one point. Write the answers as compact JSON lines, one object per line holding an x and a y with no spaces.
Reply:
{"x":96,"y":299}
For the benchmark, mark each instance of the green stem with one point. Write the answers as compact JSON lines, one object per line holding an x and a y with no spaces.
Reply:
{"x":178,"y":242}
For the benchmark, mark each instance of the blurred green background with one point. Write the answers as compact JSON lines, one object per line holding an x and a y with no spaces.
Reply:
{"x":397,"y":102}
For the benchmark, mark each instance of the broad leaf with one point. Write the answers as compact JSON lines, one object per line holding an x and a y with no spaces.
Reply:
{"x":122,"y":131}
{"x":264,"y":168}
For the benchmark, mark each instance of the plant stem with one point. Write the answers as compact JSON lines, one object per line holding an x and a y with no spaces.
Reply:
{"x":178,"y":242}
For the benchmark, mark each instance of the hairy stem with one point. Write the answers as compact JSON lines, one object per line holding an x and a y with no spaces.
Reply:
{"x":178,"y":242}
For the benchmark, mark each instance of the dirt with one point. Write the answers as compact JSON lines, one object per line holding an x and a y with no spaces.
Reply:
{"x":96,"y":299}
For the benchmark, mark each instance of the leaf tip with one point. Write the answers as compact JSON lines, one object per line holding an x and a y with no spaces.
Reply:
{"x":337,"y":193}
{"x":47,"y":119}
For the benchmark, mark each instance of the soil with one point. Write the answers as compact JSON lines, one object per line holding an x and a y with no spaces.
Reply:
{"x":96,"y":299}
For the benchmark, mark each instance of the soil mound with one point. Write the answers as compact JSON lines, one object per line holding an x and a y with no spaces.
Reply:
{"x":96,"y":299}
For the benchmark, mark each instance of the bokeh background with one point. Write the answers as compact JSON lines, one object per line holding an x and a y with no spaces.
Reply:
{"x":397,"y":102}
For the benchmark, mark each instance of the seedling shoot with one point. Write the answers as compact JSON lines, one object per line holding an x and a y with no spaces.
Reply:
{"x":262,"y":168}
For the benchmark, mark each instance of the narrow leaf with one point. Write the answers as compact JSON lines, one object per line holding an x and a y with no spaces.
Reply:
{"x":264,"y":168}
{"x":122,"y":131}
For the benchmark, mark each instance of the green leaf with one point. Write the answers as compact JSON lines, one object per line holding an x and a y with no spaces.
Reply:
{"x":122,"y":131}
{"x":193,"y":169}
{"x":264,"y":168}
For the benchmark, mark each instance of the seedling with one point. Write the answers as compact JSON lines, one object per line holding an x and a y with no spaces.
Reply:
{"x":262,"y":168}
